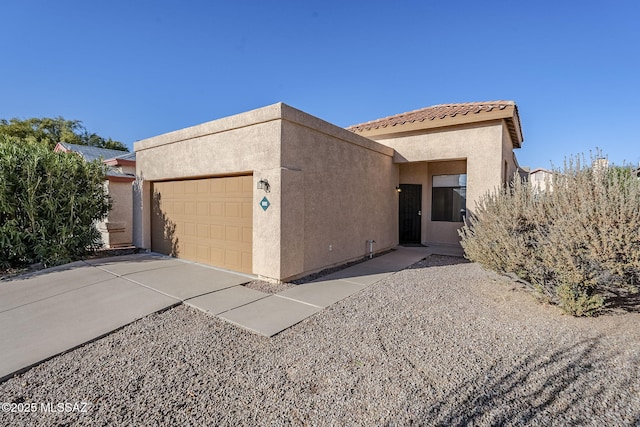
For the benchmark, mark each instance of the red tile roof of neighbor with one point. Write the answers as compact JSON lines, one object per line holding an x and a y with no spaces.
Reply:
{"x":471,"y":110}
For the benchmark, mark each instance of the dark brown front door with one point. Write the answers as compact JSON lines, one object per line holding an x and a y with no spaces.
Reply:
{"x":410,"y":213}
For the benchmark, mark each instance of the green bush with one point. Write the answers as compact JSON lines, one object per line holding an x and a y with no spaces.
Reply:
{"x":49,"y":204}
{"x":578,"y":243}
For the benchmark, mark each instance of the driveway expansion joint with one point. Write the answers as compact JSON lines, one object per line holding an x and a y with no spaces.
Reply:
{"x":297,"y":300}
{"x":78,"y":309}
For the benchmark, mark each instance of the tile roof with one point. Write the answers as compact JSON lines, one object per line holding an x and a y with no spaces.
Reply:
{"x":432,"y":113}
{"x":90,"y":153}
{"x":444,"y":115}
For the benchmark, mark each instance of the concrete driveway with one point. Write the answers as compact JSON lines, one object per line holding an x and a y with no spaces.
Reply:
{"x":61,"y":308}
{"x":58,"y":309}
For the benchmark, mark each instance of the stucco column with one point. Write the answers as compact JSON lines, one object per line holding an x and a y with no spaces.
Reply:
{"x":142,"y":213}
{"x":483,"y":175}
{"x":267,"y":224}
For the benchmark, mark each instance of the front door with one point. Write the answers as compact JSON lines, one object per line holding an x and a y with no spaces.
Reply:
{"x":410,"y":213}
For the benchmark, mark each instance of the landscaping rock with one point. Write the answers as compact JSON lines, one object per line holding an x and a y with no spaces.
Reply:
{"x":443,"y":342}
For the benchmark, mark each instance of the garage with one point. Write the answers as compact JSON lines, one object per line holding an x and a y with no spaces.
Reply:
{"x":274,"y":191}
{"x":207,"y":220}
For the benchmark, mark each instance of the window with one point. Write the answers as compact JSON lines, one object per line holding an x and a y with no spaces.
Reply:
{"x":449,"y":198}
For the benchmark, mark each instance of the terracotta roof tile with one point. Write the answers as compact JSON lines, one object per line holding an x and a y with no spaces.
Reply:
{"x":441,"y":111}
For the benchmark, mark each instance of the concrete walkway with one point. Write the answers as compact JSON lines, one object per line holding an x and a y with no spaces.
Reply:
{"x":275,"y":313}
{"x":58,"y":309}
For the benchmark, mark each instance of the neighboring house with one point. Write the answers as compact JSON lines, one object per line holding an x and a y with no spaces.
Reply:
{"x":279,"y":193}
{"x":541,"y":179}
{"x":116,"y":229}
{"x":600,"y":166}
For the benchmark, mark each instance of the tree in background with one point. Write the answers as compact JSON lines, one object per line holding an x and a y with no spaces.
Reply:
{"x":50,"y":131}
{"x":49,"y":202}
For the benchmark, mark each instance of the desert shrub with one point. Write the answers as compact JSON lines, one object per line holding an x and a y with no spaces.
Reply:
{"x":49,"y":203}
{"x":577,"y":242}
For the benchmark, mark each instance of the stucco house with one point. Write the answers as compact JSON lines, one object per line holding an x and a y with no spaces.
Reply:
{"x":116,"y":229}
{"x":541,"y":179}
{"x":280,"y":193}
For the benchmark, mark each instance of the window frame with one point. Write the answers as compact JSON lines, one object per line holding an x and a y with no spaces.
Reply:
{"x":448,"y":186}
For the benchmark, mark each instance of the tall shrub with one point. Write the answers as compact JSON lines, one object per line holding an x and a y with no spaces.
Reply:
{"x":577,"y":243}
{"x":49,"y":203}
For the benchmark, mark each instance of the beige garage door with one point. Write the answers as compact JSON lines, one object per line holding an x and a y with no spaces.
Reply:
{"x":205,"y":220}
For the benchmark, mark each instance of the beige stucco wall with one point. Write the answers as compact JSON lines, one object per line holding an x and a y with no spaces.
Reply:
{"x":247,"y":143}
{"x":314,"y":168}
{"x":541,"y":180}
{"x":331,"y":190}
{"x":480,"y":144}
{"x":117,"y":228}
{"x":480,"y":148}
{"x":346,"y":194}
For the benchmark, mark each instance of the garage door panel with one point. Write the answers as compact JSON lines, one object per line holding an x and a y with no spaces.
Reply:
{"x":190,"y":187}
{"x":233,"y":258}
{"x":246,"y":262}
{"x":217,"y":256}
{"x":187,"y":250}
{"x":203,"y":231}
{"x":190,"y":229}
{"x":216,"y":209}
{"x":247,"y":235}
{"x":203,"y":252}
{"x":217,"y":232}
{"x":232,"y":210}
{"x":210,"y":220}
{"x":247,"y":184}
{"x":247,"y":210}
{"x":167,"y":189}
{"x":202,"y":208}
{"x":233,"y":234}
{"x":203,"y":186}
{"x":178,"y":208}
{"x":217,"y":186}
{"x":233,"y":186}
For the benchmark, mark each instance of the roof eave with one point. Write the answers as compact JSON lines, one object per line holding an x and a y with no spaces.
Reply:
{"x":120,"y":178}
{"x":515,"y":128}
{"x":119,"y":162}
{"x":509,"y":114}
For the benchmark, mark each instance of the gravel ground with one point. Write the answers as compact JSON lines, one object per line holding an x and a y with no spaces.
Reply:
{"x":267,"y":287}
{"x":441,"y":343}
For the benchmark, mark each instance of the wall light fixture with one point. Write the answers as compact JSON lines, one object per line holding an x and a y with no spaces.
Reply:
{"x":263,"y":184}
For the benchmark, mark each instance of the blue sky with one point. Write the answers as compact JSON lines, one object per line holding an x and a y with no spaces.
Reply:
{"x":138,"y":68}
